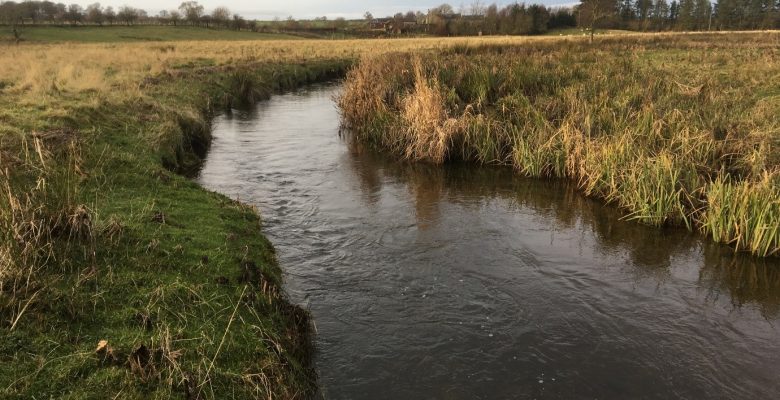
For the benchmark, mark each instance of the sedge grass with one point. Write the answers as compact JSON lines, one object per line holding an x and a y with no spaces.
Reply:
{"x":679,"y":130}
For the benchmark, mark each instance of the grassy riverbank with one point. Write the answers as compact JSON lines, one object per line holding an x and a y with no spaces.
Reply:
{"x":675,"y":129}
{"x":121,"y":277}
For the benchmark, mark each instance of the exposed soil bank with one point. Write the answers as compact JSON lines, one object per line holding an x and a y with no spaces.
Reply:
{"x":121,"y":277}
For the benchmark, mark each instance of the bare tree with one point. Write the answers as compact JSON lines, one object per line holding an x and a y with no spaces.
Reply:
{"x":220,"y":16}
{"x":174,"y":16}
{"x":592,"y":12}
{"x":339,"y":23}
{"x":477,"y":8}
{"x":109,"y":15}
{"x":127,"y":14}
{"x":75,"y":13}
{"x":192,"y":11}
{"x":369,"y":18}
{"x":95,"y":14}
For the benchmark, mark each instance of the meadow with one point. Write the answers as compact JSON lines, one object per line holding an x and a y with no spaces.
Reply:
{"x":119,"y":277}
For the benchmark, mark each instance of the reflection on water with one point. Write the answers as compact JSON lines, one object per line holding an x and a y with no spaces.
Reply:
{"x":461,"y":282}
{"x":747,"y":280}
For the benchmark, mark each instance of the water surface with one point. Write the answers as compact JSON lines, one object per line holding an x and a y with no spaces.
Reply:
{"x":458,"y":282}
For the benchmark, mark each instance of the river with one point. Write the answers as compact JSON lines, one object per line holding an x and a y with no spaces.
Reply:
{"x":463,"y":282}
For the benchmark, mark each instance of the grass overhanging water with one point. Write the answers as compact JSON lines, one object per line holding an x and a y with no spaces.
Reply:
{"x":677,"y":130}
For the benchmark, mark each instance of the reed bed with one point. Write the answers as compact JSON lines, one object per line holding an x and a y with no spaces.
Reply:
{"x":680,"y":130}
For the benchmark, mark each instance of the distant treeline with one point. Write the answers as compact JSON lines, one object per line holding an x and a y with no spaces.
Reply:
{"x":47,"y":12}
{"x":639,"y":15}
{"x":444,"y":20}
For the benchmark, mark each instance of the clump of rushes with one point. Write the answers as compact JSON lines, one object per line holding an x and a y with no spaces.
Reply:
{"x":680,"y":130}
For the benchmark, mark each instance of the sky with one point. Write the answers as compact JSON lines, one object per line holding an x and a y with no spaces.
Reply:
{"x":303,"y":9}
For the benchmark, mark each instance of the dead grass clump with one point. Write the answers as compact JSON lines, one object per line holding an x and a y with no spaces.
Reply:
{"x":40,"y":216}
{"x":429,"y":128}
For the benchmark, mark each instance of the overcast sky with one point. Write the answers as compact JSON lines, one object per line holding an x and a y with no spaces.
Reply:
{"x":266,"y":9}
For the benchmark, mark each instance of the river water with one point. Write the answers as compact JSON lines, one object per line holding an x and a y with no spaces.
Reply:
{"x":461,"y":282}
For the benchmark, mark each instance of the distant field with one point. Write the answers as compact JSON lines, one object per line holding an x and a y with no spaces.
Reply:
{"x":581,"y":32}
{"x":103,"y":34}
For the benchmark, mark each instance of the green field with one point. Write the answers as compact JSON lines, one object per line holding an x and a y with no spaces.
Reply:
{"x":140,"y":33}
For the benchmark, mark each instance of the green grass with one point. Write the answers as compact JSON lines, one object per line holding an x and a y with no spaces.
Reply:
{"x":118,"y":247}
{"x":139,"y":33}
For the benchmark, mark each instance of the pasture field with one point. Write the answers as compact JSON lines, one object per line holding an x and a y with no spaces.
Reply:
{"x":138,"y":33}
{"x":121,"y":277}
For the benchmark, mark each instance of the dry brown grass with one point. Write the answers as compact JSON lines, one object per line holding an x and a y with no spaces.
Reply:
{"x":47,"y":69}
{"x":429,"y":128}
{"x":674,"y":129}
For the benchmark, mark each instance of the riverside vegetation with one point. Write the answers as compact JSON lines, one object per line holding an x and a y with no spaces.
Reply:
{"x":676,"y":130}
{"x":119,"y":277}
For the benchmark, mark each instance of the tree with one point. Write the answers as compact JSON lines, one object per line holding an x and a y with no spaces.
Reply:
{"x":109,"y":15}
{"x":702,"y":11}
{"x":477,"y":8}
{"x":539,"y":18}
{"x":192,"y":11}
{"x":561,"y":18}
{"x":339,"y":23}
{"x":444,"y":10}
{"x":643,"y":11}
{"x":174,"y":16}
{"x":660,"y":14}
{"x":626,"y":12}
{"x":238,"y":22}
{"x":220,"y":16}
{"x":490,"y":26}
{"x":674,"y":11}
{"x":685,"y":15}
{"x":369,"y":18}
{"x":291,"y":23}
{"x":94,"y":14}
{"x":127,"y":14}
{"x":11,"y":14}
{"x":593,"y":12}
{"x":75,"y":14}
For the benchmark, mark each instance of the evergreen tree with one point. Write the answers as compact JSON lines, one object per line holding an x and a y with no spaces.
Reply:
{"x":643,"y":10}
{"x":626,"y":12}
{"x":660,"y":14}
{"x":701,"y":14}
{"x":674,"y":11}
{"x":685,"y":15}
{"x":729,"y":14}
